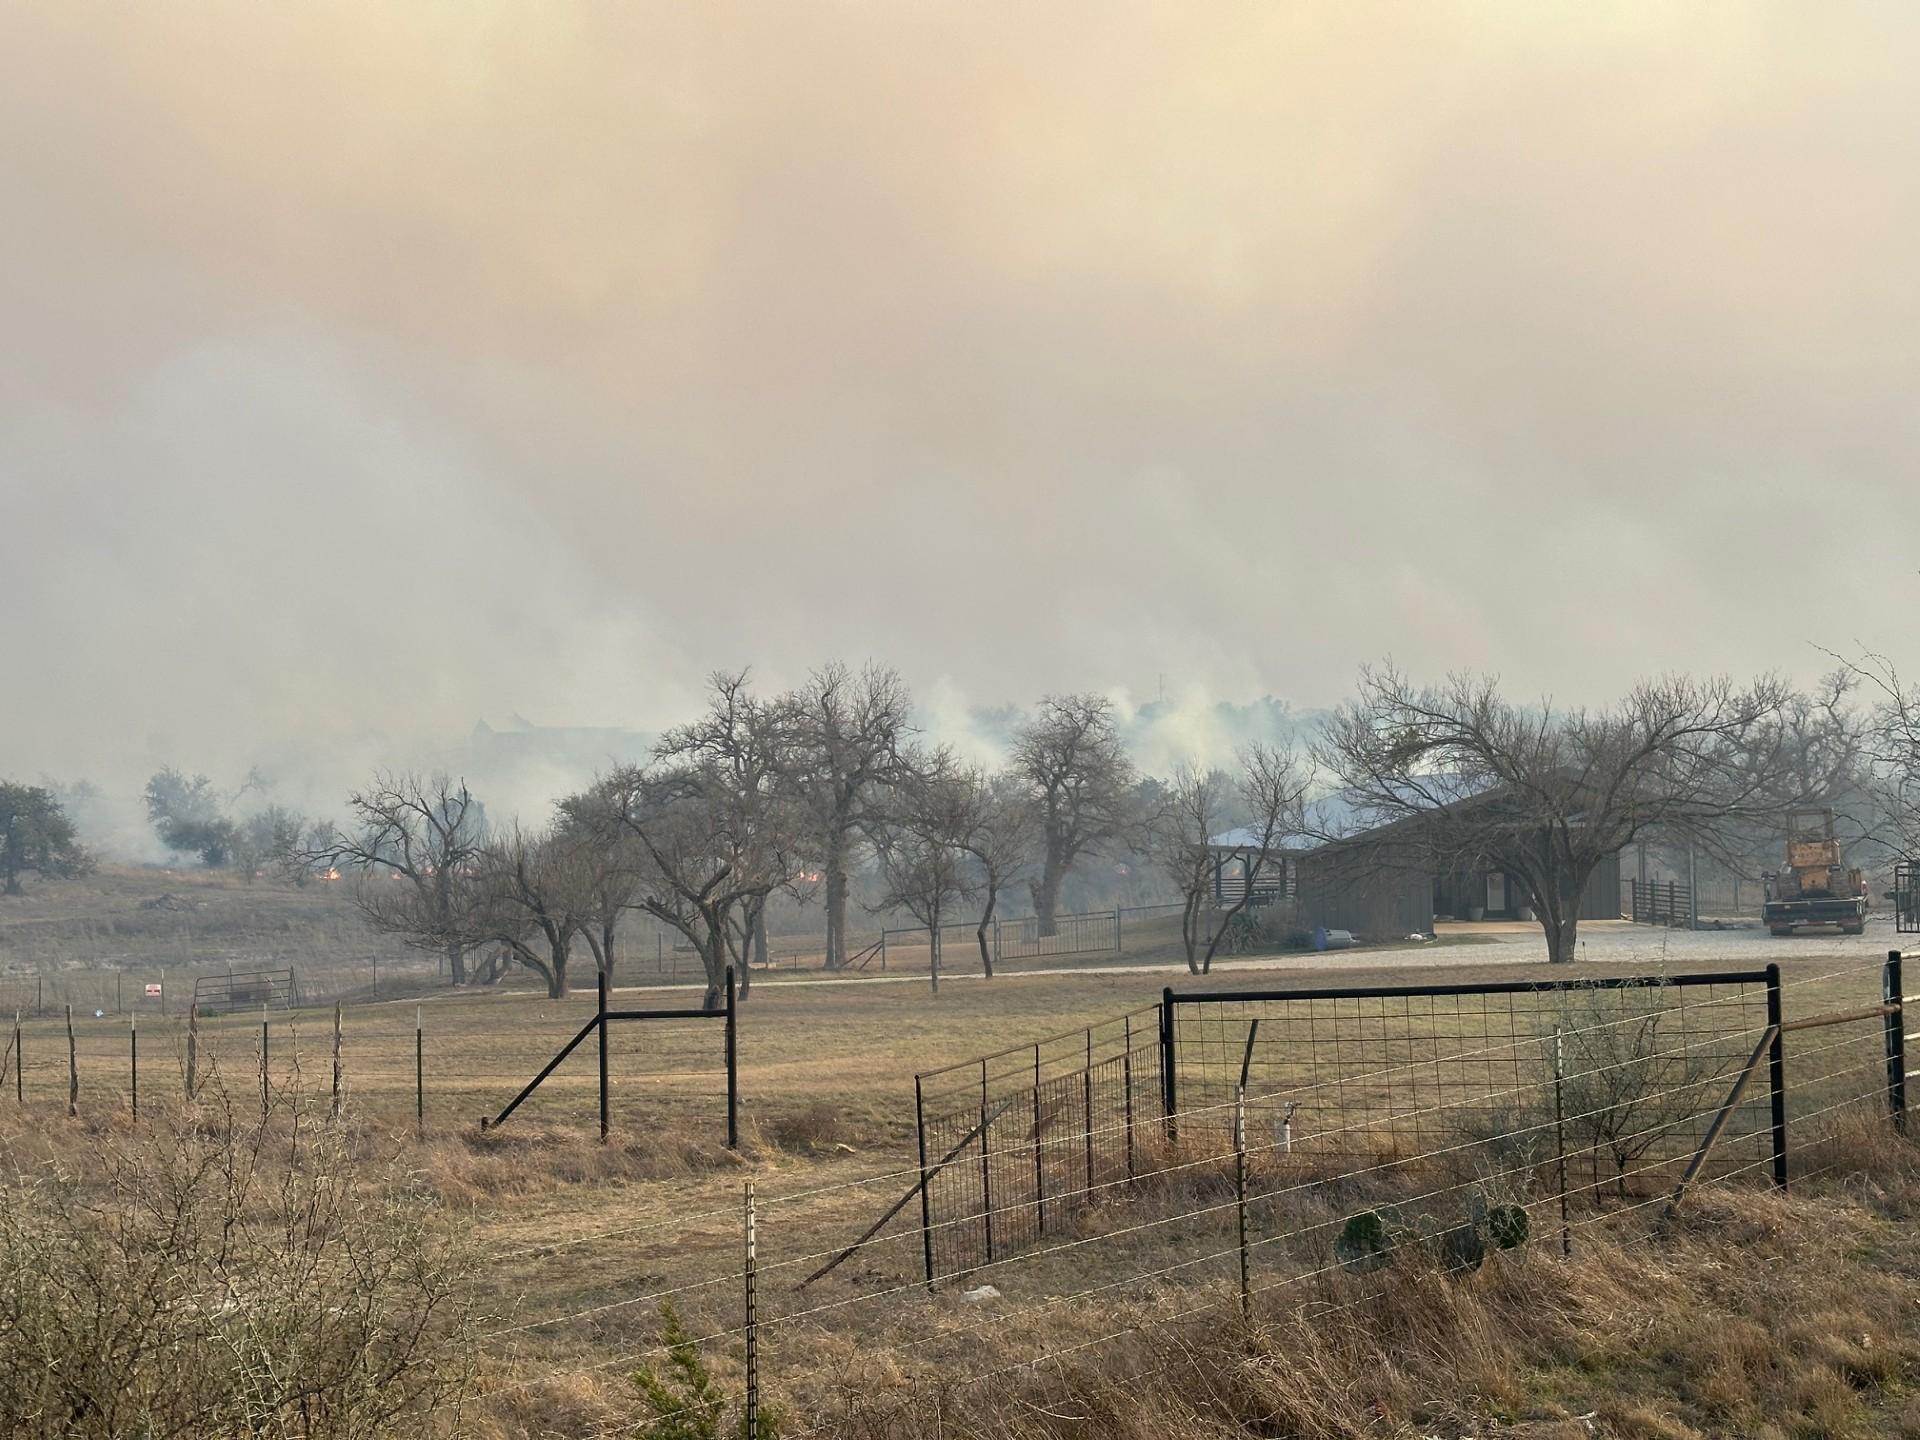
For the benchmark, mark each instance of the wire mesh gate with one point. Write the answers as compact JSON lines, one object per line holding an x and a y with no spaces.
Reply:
{"x":1906,"y":897}
{"x":1352,"y":1075}
{"x":1012,"y":1143}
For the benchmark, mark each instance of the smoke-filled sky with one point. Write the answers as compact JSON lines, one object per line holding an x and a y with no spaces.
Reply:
{"x":369,"y":369}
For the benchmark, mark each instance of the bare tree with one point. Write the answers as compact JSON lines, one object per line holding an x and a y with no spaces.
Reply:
{"x":1458,"y":776}
{"x":427,"y":832}
{"x":1817,"y":756}
{"x":1270,"y":790}
{"x":843,"y":746}
{"x":1890,"y":746}
{"x":1075,"y":769}
{"x":529,"y":892}
{"x":1630,"y":1083}
{"x":923,"y":857}
{"x":715,"y":829}
{"x":996,"y":826}
{"x":608,"y":863}
{"x":272,"y":841}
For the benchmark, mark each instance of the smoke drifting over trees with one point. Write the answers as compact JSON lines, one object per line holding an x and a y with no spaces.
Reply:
{"x":1032,"y":385}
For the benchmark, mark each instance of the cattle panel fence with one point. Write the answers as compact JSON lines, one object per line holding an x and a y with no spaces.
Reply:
{"x":1012,"y":1142}
{"x":1626,"y":1086}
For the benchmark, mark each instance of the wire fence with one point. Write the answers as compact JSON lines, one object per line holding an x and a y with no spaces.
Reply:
{"x":1010,"y":1143}
{"x":1372,"y":1131}
{"x":1401,"y":1172}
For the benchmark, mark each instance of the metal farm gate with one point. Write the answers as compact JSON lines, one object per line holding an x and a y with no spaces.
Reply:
{"x":1635,"y":1073}
{"x":1906,"y":897}
{"x":1346,"y":1076}
{"x":1660,"y":902}
{"x":1014,"y":1142}
{"x":244,"y":989}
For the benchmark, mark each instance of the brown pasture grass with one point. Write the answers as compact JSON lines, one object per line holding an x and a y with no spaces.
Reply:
{"x":1755,"y":1315}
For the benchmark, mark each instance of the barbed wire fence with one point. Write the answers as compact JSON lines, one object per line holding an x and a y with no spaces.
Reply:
{"x":1308,"y":1145}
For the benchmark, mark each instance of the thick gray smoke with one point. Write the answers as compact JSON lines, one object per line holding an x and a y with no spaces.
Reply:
{"x":370,"y":372}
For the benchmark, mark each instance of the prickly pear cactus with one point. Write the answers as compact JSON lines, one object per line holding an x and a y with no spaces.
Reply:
{"x":1364,"y":1242}
{"x":1508,"y":1226}
{"x":1462,"y":1247}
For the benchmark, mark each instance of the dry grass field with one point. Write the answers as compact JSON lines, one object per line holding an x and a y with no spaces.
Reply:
{"x":1757,"y":1315}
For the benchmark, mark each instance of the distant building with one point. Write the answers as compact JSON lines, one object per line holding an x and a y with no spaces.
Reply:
{"x":1368,"y":884}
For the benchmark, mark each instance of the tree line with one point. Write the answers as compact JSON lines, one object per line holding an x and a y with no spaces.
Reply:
{"x":798,"y":792}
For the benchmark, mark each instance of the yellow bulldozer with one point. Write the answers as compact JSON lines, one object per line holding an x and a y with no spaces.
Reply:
{"x":1816,"y":887}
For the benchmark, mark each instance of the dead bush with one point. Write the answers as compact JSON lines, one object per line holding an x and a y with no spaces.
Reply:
{"x":233,"y":1275}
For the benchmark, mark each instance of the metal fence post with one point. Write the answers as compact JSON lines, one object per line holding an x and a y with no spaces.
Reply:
{"x":1560,"y":1136}
{"x":600,"y":991}
{"x":264,"y":1101}
{"x":73,"y":1068}
{"x":1118,"y":948}
{"x":1086,"y":1105}
{"x":1894,"y":995}
{"x":193,"y":1045}
{"x":733,"y":1064}
{"x":19,"y":1063}
{"x":419,"y":1076}
{"x":1039,"y":1166}
{"x":926,"y":1202}
{"x":333,"y":1105}
{"x":1777,"y":1077}
{"x":1169,"y":1087}
{"x":1126,"y":1086}
{"x":986,"y":1163}
{"x":1240,"y":1197}
{"x":752,"y":1428}
{"x":133,"y":1064}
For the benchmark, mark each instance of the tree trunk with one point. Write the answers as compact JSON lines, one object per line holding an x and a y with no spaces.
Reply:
{"x":457,"y":964}
{"x":1189,"y":933}
{"x":760,"y":935}
{"x":836,"y":902}
{"x":986,"y":919}
{"x":1046,"y":892}
{"x":713,"y":960}
{"x":13,"y":882}
{"x":1559,"y":911}
{"x":933,"y":950}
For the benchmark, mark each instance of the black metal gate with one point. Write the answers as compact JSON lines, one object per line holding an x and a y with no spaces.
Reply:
{"x":1660,"y":902}
{"x":1906,"y":897}
{"x":244,"y":989}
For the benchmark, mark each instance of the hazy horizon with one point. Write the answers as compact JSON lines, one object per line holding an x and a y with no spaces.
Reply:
{"x":372,"y":372}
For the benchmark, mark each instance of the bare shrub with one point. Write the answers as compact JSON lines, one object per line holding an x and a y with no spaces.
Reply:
{"x":222,"y":1277}
{"x":1632,"y":1080}
{"x":818,"y":1127}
